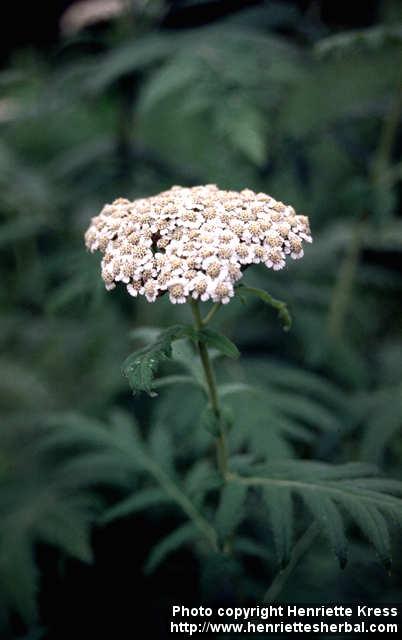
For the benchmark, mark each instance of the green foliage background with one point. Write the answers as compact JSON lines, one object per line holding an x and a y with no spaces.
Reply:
{"x":267,"y":98}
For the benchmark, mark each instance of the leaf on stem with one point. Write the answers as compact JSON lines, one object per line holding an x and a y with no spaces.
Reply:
{"x":279,"y":305}
{"x":334,"y":495}
{"x":141,"y":366}
{"x":184,"y":534}
{"x":218,"y":341}
{"x":231,"y":509}
{"x":280,"y":509}
{"x":138,"y":501}
{"x":214,"y":423}
{"x":210,"y":421}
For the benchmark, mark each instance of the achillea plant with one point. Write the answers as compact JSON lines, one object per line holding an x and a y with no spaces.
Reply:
{"x":194,"y":244}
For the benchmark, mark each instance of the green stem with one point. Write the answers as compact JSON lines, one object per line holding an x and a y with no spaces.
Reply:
{"x":183,"y":501}
{"x":301,"y":547}
{"x":387,"y":137}
{"x":343,"y":492}
{"x":344,"y":285}
{"x":221,"y":446}
{"x":346,"y":276}
{"x":211,"y":313}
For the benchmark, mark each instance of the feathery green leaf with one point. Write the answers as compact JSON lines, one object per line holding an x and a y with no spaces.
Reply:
{"x":141,"y":366}
{"x":182,"y":535}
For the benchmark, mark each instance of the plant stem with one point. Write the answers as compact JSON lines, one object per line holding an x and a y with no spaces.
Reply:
{"x":342,"y":291}
{"x":211,"y":313}
{"x":301,"y":547}
{"x":221,"y":446}
{"x":344,"y":285}
{"x":185,"y":503}
{"x":387,"y":137}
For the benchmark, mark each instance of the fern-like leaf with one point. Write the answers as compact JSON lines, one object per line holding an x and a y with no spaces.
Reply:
{"x":141,"y":366}
{"x":140,"y":500}
{"x":329,"y":518}
{"x":334,"y":495}
{"x":179,"y":537}
{"x":219,"y":342}
{"x":231,"y":509}
{"x":280,"y":509}
{"x":381,"y":424}
{"x":280,"y":306}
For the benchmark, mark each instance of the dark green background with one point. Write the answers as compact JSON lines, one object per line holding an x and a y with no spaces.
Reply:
{"x":283,"y":97}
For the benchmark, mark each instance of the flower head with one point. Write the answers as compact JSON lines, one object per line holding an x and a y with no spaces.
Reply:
{"x":193,"y":241}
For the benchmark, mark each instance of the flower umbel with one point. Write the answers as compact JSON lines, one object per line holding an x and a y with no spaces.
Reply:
{"x":193,"y":241}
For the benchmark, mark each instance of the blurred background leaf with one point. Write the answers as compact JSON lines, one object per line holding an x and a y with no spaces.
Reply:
{"x":110,"y":98}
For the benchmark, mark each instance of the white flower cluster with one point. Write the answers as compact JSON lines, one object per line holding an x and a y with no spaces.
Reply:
{"x":193,"y":241}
